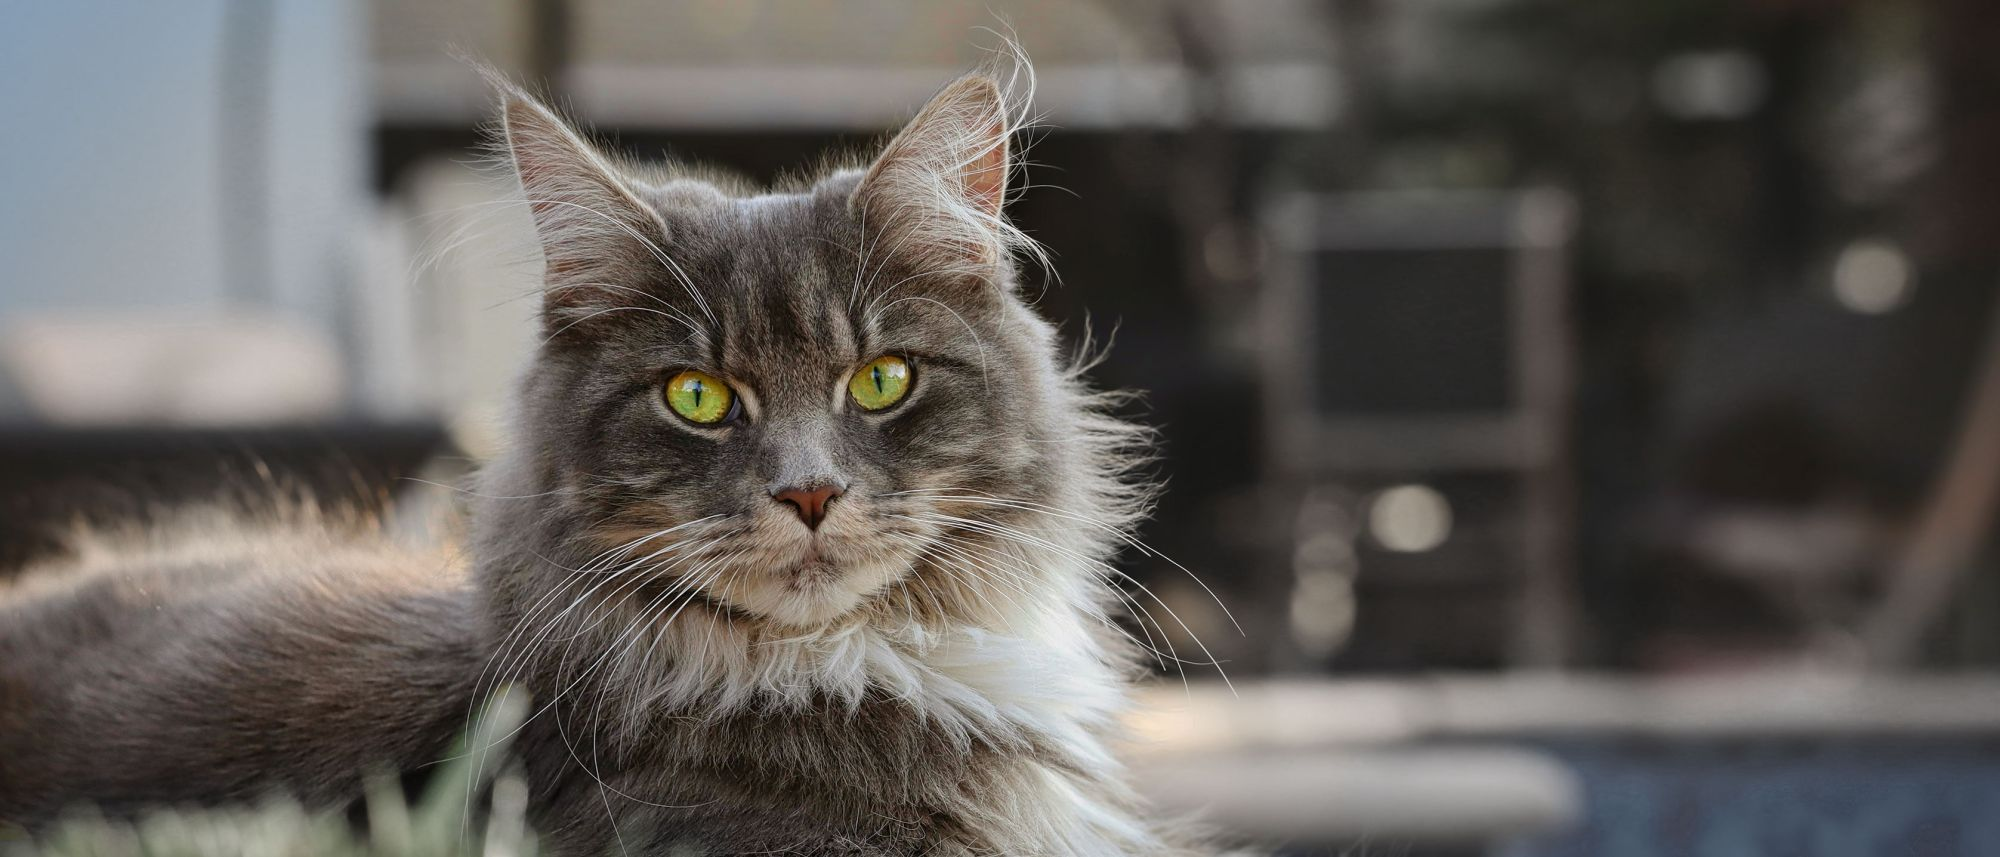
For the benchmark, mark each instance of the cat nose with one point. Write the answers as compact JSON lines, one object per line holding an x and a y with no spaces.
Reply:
{"x":810,"y":501}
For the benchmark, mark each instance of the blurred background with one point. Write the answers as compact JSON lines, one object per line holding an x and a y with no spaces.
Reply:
{"x":1589,"y":412}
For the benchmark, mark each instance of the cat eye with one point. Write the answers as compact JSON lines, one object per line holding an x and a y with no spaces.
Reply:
{"x":880,"y":383}
{"x":701,"y":398}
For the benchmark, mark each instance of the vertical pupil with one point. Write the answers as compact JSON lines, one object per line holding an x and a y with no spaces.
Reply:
{"x":876,"y":373}
{"x":695,"y":387}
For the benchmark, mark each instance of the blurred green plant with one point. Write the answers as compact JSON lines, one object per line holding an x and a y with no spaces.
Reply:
{"x":449,"y":818}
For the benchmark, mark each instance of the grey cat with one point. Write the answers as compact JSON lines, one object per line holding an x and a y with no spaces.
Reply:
{"x":800,"y":548}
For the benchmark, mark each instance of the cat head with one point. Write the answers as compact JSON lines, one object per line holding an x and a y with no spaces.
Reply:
{"x":814,"y":403}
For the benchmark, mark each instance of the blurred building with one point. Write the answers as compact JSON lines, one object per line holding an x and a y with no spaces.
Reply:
{"x":1484,"y":334}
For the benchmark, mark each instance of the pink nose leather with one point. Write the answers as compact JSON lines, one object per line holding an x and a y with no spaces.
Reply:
{"x":810,"y":502}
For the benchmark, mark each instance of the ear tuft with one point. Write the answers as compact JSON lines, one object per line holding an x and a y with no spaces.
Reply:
{"x":962,"y":134}
{"x":595,"y":231}
{"x":941,"y":183}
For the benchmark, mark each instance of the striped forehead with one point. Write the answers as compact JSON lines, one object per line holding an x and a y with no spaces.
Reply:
{"x":785,"y":284}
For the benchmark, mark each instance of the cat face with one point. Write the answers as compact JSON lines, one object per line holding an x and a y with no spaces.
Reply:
{"x":793,"y":404}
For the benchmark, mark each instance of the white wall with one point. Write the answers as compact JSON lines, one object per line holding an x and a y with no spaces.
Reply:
{"x":181,"y":163}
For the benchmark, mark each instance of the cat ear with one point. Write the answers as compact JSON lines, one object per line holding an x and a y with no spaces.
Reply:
{"x":595,"y":231}
{"x":939,"y":186}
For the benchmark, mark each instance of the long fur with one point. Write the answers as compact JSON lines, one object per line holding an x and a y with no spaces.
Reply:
{"x":937,"y":669}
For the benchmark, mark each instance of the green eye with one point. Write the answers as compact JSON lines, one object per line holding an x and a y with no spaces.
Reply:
{"x":700,"y":397}
{"x":881,"y":383}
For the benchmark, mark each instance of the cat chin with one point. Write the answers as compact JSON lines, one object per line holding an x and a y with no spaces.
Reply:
{"x":813,"y":594}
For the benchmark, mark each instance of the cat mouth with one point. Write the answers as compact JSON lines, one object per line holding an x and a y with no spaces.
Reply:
{"x":811,"y":560}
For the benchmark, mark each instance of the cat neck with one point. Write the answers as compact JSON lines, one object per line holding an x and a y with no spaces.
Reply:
{"x":1045,"y":676}
{"x":1040,"y":673}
